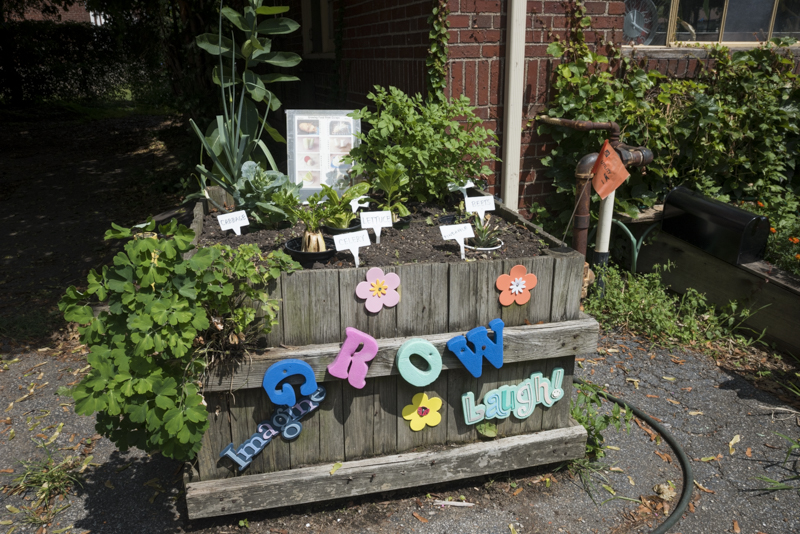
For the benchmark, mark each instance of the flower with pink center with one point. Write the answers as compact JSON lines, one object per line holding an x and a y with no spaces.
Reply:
{"x":379,"y":290}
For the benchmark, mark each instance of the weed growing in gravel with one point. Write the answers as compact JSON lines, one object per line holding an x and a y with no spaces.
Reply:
{"x":49,"y":481}
{"x":641,"y":303}
{"x":778,"y":485}
{"x":584,"y":409}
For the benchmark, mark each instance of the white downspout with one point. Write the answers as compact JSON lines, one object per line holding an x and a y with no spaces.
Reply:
{"x":512,"y":116}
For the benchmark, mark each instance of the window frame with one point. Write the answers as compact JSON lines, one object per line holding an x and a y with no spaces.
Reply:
{"x":326,"y":31}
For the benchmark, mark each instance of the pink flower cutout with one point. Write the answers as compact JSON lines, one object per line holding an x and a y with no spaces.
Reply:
{"x":379,"y":290}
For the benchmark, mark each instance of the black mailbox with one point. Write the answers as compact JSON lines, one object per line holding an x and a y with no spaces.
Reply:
{"x":722,"y":230}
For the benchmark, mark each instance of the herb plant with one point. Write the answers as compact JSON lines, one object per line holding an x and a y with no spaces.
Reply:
{"x":312,"y":217}
{"x":168,"y":319}
{"x":392,"y":181}
{"x":235,"y":136}
{"x":339,"y":212}
{"x":584,"y":409}
{"x":487,"y":235}
{"x":265,"y":195}
{"x":439,"y":143}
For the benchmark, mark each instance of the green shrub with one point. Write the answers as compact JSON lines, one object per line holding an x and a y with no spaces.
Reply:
{"x":732,"y":132}
{"x":641,"y":304}
{"x":584,"y":409}
{"x":167,"y":318}
{"x":440,"y":142}
{"x":783,"y":249}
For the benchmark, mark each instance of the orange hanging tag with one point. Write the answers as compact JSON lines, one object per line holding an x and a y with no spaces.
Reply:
{"x":609,"y":171}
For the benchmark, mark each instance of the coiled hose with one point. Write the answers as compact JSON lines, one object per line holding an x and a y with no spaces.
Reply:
{"x":688,"y":477}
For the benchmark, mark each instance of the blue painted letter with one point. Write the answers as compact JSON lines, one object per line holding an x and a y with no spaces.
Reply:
{"x":284,"y":369}
{"x":484,"y":347}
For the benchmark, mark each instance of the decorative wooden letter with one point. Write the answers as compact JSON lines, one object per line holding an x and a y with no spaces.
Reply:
{"x":351,"y":363}
{"x":472,"y":413}
{"x":484,"y":347}
{"x":284,"y":369}
{"x":411,"y":373}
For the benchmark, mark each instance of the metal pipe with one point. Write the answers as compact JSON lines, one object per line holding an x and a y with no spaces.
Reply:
{"x":512,"y":118}
{"x":583,"y":196}
{"x":585,"y":126}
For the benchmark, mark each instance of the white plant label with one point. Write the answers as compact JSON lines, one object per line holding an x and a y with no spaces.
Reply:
{"x":376,"y":220}
{"x":454,"y":187}
{"x":352,"y":241}
{"x":356,"y":203}
{"x":479,"y":205}
{"x":458,"y":232}
{"x":233,"y":221}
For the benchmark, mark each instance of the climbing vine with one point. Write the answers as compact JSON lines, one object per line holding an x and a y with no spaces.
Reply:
{"x":436,"y":62}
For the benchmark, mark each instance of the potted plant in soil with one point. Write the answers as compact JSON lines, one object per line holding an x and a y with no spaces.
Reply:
{"x":393,"y":182}
{"x":486,"y":235}
{"x":341,"y":217}
{"x":312,"y":245}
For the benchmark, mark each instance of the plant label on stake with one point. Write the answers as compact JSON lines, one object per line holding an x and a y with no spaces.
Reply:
{"x":352,"y":241}
{"x":356,"y":203}
{"x":233,"y":221}
{"x":376,"y":220}
{"x":479,"y":205}
{"x":459,"y":232}
{"x":463,"y":189}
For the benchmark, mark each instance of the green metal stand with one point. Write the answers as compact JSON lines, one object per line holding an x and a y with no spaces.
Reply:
{"x":636,"y":244}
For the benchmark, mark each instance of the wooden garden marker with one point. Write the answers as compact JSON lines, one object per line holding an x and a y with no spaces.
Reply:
{"x":479,"y":205}
{"x":376,"y":220}
{"x":233,"y":221}
{"x":458,"y":232}
{"x":352,"y":241}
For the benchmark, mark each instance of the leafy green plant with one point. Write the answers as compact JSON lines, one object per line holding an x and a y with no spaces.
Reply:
{"x":265,"y":195}
{"x":584,"y":409}
{"x":339,"y":212}
{"x":487,"y":430}
{"x":312,"y":217}
{"x":641,"y":304}
{"x":168,"y":320}
{"x":487,"y":235}
{"x":392,"y":181}
{"x":439,"y":143}
{"x":783,"y":248}
{"x":235,"y":137}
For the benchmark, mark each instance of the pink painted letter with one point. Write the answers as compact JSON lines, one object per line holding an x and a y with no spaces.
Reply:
{"x":354,"y":359}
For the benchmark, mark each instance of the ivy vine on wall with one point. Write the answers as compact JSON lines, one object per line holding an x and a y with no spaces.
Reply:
{"x":436,"y":62}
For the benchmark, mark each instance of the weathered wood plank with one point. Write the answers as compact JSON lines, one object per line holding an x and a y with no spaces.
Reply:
{"x":216,"y":438}
{"x":331,"y":429}
{"x":459,"y":382}
{"x":557,"y":415}
{"x":385,"y":414}
{"x":351,"y":309}
{"x":423,"y":307}
{"x":275,"y":337}
{"x":242,"y":410}
{"x":461,"y":314}
{"x":358,"y":413}
{"x":305,"y":449}
{"x":385,"y":473}
{"x":567,"y":285}
{"x":521,"y":343}
{"x":310,"y":307}
{"x":541,"y":295}
{"x":384,"y":323}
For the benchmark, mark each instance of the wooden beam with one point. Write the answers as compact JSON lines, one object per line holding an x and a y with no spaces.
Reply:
{"x":385,"y":473}
{"x":520,"y":343}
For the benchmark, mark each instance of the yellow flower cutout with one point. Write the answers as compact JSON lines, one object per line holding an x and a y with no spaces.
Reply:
{"x":423,"y":412}
{"x":378,"y":288}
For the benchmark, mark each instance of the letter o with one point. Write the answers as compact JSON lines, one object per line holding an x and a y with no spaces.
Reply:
{"x":411,"y":373}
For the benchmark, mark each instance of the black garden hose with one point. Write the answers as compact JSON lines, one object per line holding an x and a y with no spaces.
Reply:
{"x":688,"y":477}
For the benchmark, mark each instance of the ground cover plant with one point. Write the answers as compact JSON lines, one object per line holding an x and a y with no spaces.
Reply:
{"x":168,"y":320}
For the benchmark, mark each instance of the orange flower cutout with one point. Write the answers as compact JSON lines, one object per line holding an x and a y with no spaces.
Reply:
{"x":517,"y":287}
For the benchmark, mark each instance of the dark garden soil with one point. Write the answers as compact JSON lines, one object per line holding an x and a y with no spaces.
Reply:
{"x":419,"y":242}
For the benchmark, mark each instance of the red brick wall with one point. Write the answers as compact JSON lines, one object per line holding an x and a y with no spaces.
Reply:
{"x":477,"y":62}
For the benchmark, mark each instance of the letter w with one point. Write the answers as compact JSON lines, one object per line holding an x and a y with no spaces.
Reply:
{"x":484,"y":347}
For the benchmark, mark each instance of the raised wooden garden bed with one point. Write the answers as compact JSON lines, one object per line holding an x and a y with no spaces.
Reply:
{"x":756,"y":285}
{"x":363,"y":428}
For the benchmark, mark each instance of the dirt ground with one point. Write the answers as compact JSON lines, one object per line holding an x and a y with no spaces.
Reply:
{"x":65,"y":179}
